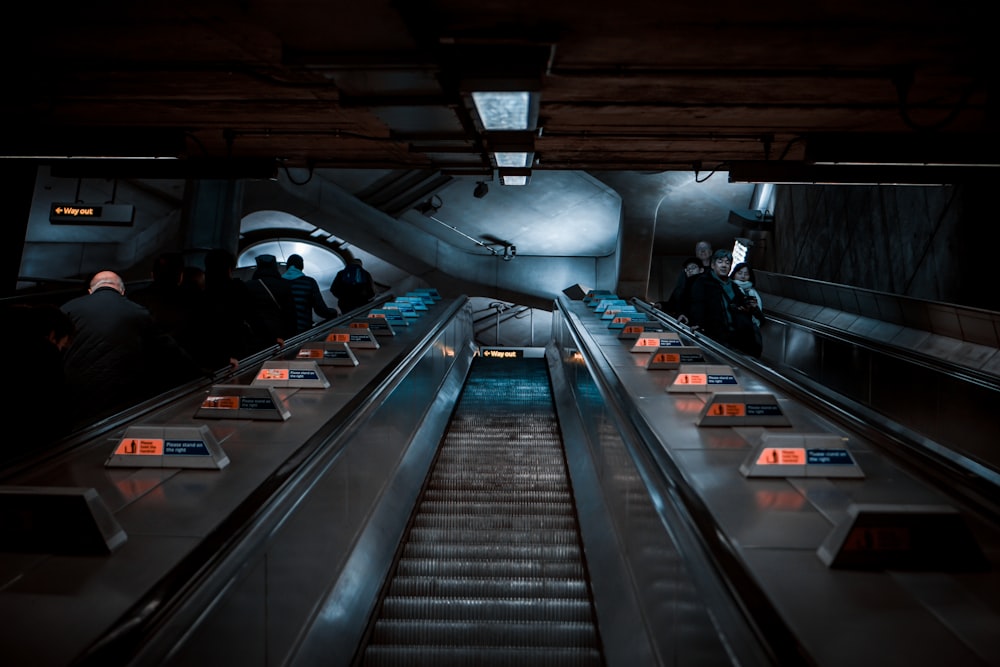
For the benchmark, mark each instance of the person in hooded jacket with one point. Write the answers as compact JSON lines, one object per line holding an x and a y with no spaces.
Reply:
{"x":308,"y":298}
{"x":353,"y":286}
{"x":272,"y":304}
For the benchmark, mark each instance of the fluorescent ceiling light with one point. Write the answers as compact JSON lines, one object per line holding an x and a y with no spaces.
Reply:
{"x":501,"y":110}
{"x":507,"y":159}
{"x":514,"y":180}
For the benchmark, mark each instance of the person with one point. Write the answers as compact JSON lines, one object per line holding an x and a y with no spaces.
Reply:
{"x":742,"y":275}
{"x":307,"y":295}
{"x":679,"y":302}
{"x":709,"y":295}
{"x":225,"y":313}
{"x":174,"y":309}
{"x":119,"y":356}
{"x":353,"y":286}
{"x":193,"y":278}
{"x":272,"y":306}
{"x":703,"y":251}
{"x":36,"y":337}
{"x":746,"y":312}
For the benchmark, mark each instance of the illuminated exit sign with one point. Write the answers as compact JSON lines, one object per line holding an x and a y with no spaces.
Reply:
{"x":91,"y":214}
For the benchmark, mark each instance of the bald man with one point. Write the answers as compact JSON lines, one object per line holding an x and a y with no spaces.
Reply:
{"x":119,"y":356}
{"x":107,"y":279}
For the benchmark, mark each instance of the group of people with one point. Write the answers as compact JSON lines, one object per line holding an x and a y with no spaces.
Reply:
{"x":715,"y":297}
{"x":107,"y":349}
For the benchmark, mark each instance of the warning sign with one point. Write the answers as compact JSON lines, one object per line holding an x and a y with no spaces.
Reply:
{"x":140,"y":447}
{"x":726,"y":410}
{"x":221,"y":403}
{"x":790,"y":456}
{"x":273,"y":374}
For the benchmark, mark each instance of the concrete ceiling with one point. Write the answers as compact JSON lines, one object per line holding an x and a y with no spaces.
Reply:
{"x":639,"y":101}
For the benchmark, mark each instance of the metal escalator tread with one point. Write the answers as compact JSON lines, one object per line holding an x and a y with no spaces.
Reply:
{"x":491,"y":571}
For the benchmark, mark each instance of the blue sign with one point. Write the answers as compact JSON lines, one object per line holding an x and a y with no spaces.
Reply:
{"x":837,"y":457}
{"x":185,"y":448}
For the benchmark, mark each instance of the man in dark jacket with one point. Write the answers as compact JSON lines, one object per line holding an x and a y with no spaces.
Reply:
{"x":272,"y":306}
{"x":308,"y":297}
{"x":711,"y":292}
{"x":119,"y":356}
{"x":353,"y":286}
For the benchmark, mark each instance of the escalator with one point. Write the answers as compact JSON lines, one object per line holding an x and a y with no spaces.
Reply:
{"x":491,"y":570}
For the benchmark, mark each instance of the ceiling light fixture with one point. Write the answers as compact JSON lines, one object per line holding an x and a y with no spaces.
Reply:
{"x":511,"y":176}
{"x":503,"y":110}
{"x":509,"y":120}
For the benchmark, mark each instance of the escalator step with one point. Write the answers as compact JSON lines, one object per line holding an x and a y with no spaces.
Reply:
{"x":498,"y":521}
{"x":464,"y":656}
{"x":469,"y":536}
{"x":520,"y":497}
{"x":497,"y":585}
{"x":511,"y":568}
{"x":506,"y":609}
{"x":499,"y":550}
{"x":476,"y":507}
{"x":486,"y":634}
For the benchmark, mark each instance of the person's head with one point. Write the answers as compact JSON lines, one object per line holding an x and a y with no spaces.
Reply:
{"x":296,"y":261}
{"x":703,"y":251}
{"x":267,"y":265}
{"x":110,"y":279}
{"x":219,"y":263}
{"x":692,"y":266}
{"x":722,"y":262}
{"x":742,"y":271}
{"x":168,"y":268}
{"x":193,"y":277}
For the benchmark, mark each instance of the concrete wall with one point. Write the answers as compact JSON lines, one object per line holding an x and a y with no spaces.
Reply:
{"x":934,"y":243}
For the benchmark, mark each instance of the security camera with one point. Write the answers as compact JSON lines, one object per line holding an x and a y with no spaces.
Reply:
{"x":481,"y":190}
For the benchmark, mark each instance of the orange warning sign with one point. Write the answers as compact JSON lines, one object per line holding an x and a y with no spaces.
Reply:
{"x":382,"y":315}
{"x":310,"y":353}
{"x":273,"y":374}
{"x":782,"y":456}
{"x":878,"y":538}
{"x":140,"y":446}
{"x":727,"y":410}
{"x":666,"y":358}
{"x":358,"y":325}
{"x":691,"y":378}
{"x":648,"y":342}
{"x":221,"y":403}
{"x":633,"y":328}
{"x":340,"y":337}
